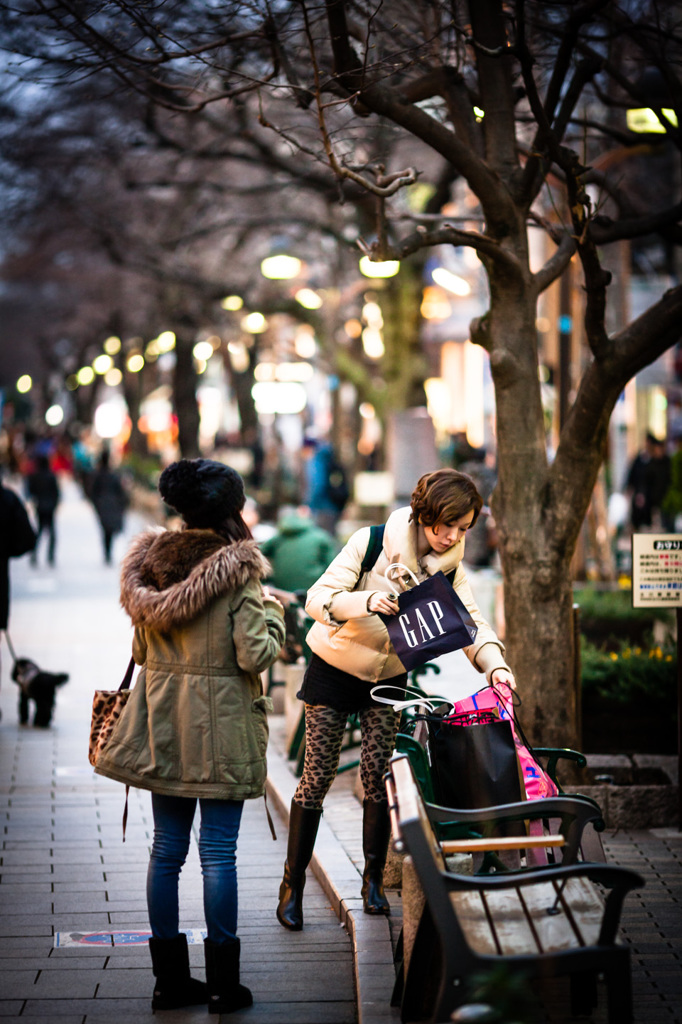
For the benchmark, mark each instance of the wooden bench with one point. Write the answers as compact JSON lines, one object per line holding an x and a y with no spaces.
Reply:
{"x":547,"y":922}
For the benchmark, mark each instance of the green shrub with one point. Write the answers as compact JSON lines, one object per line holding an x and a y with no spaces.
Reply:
{"x":607,"y":618}
{"x":633,"y":677}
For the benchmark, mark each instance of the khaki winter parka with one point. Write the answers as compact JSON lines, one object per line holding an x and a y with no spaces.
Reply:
{"x":350,"y":637}
{"x":195,"y":724}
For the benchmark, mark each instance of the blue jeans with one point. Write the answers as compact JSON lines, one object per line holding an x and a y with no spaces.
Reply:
{"x":220,"y":820}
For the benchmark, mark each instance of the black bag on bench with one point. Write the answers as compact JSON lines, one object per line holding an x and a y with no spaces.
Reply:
{"x":473,"y":760}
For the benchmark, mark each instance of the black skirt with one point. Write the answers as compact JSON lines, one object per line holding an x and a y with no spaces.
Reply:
{"x":334,"y":688}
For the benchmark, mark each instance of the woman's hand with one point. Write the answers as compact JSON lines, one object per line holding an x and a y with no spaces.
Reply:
{"x":387,"y":604}
{"x":503,"y":675}
{"x":270,"y":596}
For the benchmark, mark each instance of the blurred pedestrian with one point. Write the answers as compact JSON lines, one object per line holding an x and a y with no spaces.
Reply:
{"x":17,"y":538}
{"x":326,"y":490}
{"x":195,"y":726}
{"x":82,"y":462}
{"x":671,"y":506}
{"x":110,"y":499}
{"x":352,"y":652}
{"x":261,"y":531}
{"x":482,"y":538}
{"x":42,"y":488}
{"x":62,"y":456}
{"x":647,"y":482}
{"x":299,"y":552}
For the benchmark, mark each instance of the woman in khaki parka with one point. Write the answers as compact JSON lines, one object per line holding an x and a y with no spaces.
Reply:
{"x":195,"y":726}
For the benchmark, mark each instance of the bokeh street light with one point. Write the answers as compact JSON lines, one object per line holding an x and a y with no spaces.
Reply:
{"x":451,"y":282}
{"x":379,"y":268}
{"x":280,"y":267}
{"x":308,"y":298}
{"x":102,"y":363}
{"x":254,"y":323}
{"x":112,"y":345}
{"x":54,"y":415}
{"x":135,"y":362}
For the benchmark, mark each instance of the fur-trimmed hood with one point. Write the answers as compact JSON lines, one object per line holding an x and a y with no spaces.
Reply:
{"x":170,"y":577}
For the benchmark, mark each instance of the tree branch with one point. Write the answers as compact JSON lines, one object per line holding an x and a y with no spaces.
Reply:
{"x":604,"y":230}
{"x":582,"y":445}
{"x":446,"y":235}
{"x":390,"y":103}
{"x":556,"y":264}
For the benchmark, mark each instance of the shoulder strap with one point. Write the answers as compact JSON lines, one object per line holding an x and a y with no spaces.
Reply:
{"x":374,"y":545}
{"x":376,"y":540}
{"x":127,"y":678}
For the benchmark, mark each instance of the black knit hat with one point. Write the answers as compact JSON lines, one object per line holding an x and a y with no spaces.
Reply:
{"x":204,"y":492}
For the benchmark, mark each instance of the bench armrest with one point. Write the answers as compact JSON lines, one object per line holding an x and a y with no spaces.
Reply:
{"x":573,"y":812}
{"x":501,"y":843}
{"x":554,"y":754}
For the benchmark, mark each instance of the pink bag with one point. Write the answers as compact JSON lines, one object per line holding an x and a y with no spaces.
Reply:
{"x":499,"y":697}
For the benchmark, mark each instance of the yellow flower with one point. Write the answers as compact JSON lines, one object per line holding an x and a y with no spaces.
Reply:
{"x":613,"y":656}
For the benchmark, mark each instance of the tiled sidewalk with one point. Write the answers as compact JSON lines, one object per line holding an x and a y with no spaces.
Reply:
{"x":66,"y":874}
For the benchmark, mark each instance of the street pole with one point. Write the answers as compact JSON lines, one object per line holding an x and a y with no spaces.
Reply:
{"x":679,"y":720}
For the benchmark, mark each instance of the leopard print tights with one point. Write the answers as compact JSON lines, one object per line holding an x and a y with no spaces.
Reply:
{"x":324,"y":729}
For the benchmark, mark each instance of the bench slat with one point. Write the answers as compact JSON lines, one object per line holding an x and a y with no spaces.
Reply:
{"x":470,"y":910}
{"x":521,"y":923}
{"x":582,"y":902}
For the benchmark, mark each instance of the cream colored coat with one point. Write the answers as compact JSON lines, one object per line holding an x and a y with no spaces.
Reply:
{"x":348,"y":636}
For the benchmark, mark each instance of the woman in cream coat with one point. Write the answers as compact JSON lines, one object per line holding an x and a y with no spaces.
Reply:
{"x":352,"y":652}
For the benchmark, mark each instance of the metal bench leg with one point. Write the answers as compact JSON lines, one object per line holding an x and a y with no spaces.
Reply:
{"x":619,"y":989}
{"x":584,"y":996}
{"x":399,"y":962}
{"x":422,"y":980}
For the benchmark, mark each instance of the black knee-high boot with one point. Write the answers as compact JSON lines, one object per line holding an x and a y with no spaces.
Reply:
{"x":303,"y":825}
{"x":174,"y":987}
{"x":225,"y":994}
{"x":376,"y":833}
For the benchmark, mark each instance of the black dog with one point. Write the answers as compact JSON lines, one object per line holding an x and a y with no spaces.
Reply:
{"x":38,"y":686}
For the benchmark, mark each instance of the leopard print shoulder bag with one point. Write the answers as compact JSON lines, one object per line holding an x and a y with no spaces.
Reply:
{"x":107,"y":707}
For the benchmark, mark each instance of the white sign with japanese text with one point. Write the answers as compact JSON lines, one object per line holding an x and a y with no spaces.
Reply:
{"x":657,"y":570}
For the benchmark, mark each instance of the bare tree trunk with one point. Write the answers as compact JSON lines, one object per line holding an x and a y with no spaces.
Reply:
{"x":539,"y":619}
{"x":133,"y":392}
{"x":536,"y":572}
{"x":184,"y":394}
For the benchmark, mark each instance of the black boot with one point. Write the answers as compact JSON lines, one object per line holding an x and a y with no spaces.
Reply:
{"x":376,"y":833}
{"x":303,"y":825}
{"x":174,"y":987}
{"x":225,"y":994}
